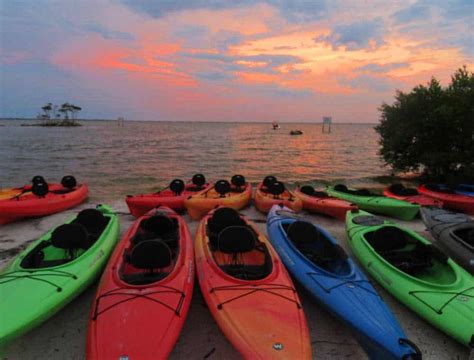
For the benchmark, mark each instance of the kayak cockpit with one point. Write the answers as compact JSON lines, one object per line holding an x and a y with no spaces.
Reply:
{"x":153,"y":251}
{"x":235,"y":246}
{"x":411,"y":256}
{"x":317,"y":247}
{"x":67,"y":242}
{"x":465,"y":236}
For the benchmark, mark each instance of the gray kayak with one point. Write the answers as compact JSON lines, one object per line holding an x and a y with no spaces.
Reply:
{"x":454,"y":234}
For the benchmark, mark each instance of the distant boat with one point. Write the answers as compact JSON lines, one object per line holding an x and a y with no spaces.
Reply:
{"x":296,"y":132}
{"x":276,"y":126}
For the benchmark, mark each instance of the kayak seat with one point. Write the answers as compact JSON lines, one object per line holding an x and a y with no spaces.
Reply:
{"x":360,"y":192}
{"x":221,"y":219}
{"x":437,"y":188}
{"x":239,"y":243}
{"x":154,"y":256}
{"x":93,"y":221}
{"x":160,"y":226}
{"x":399,"y":189}
{"x":316,"y":247}
{"x":194,"y":188}
{"x":394,"y":246}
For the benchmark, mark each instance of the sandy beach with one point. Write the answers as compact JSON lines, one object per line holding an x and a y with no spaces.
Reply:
{"x":63,"y":336}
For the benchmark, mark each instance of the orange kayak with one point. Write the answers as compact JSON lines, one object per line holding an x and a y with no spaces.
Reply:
{"x":266,"y":197}
{"x":40,"y":200}
{"x":322,"y":203}
{"x":222,"y":193}
{"x":247,"y":289}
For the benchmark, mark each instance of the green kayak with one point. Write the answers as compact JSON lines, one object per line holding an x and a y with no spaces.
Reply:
{"x":53,"y":270}
{"x":415,"y":272}
{"x":375,"y":203}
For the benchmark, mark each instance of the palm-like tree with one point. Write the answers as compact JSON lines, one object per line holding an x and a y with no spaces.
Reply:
{"x":47,"y":108}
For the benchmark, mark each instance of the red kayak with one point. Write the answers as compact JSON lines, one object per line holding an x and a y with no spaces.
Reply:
{"x":398,"y":191}
{"x":173,"y":196}
{"x":145,"y":292}
{"x":41,"y":199}
{"x":450,"y":199}
{"x":322,"y":203}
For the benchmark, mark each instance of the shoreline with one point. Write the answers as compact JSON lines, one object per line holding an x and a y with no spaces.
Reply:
{"x":63,"y":336}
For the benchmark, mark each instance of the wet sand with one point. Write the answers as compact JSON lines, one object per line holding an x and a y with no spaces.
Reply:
{"x":63,"y":336}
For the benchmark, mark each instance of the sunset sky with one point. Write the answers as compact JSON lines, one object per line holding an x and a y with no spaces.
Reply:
{"x":214,"y":60}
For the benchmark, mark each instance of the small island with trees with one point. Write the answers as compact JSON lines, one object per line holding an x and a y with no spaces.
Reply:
{"x":53,"y":115}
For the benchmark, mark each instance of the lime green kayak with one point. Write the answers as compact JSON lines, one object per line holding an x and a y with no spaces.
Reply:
{"x":415,"y":272}
{"x":375,"y":203}
{"x":53,"y":270}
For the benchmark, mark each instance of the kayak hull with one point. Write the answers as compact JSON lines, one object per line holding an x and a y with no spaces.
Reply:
{"x":153,"y":314}
{"x":452,"y":201}
{"x":37,"y":294}
{"x":200,"y":204}
{"x":379,"y":204}
{"x":349,"y":295}
{"x":443,"y":296}
{"x":263,"y":319}
{"x":264,"y":201}
{"x":330,"y":206}
{"x":139,"y":205}
{"x":30,"y":205}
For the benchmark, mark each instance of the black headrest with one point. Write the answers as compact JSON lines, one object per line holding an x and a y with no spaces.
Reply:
{"x":307,"y":189}
{"x":396,"y":188}
{"x":340,"y":187}
{"x":38,"y":179}
{"x":70,"y":236}
{"x":69,"y":182}
{"x":269,"y":180}
{"x":150,"y":254}
{"x":159,"y":225}
{"x":222,"y":187}
{"x":226,"y":217}
{"x":92,"y":219}
{"x":302,"y":232}
{"x":277,"y":188}
{"x":198,"y":180}
{"x":238,"y":180}
{"x":40,"y":188}
{"x":236,"y":239}
{"x":177,"y":186}
{"x":388,"y":238}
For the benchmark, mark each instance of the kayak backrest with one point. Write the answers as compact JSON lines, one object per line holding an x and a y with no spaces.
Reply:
{"x":236,"y":239}
{"x":177,"y":186}
{"x":341,"y":188}
{"x":399,"y":189}
{"x":151,"y":255}
{"x":387,"y":238}
{"x":159,"y":225}
{"x":220,"y":219}
{"x":307,"y":190}
{"x":93,"y":220}
{"x":222,"y":187}
{"x":238,"y":180}
{"x":70,"y":237}
{"x":40,"y":188}
{"x":269,"y":180}
{"x":276,"y":188}
{"x":69,"y":182}
{"x":199,"y":180}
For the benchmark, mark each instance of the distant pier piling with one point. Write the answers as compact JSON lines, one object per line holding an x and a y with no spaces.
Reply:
{"x":327,"y":122}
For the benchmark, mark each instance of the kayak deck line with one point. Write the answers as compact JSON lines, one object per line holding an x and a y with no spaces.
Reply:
{"x":329,"y":289}
{"x":268,"y":288}
{"x":135,"y":295}
{"x":13,"y":275}
{"x":440,"y":310}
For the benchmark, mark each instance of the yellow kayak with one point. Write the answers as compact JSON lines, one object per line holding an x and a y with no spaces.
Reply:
{"x":236,"y":196}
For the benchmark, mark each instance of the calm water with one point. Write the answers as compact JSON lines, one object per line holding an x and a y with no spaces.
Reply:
{"x":144,"y":156}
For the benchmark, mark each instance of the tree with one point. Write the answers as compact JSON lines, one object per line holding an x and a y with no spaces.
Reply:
{"x":47,"y":108}
{"x":431,"y":129}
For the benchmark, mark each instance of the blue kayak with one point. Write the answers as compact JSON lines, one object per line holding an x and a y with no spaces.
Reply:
{"x":320,"y":265}
{"x":461,"y":189}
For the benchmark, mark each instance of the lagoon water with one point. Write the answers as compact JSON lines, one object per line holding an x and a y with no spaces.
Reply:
{"x":145,"y":156}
